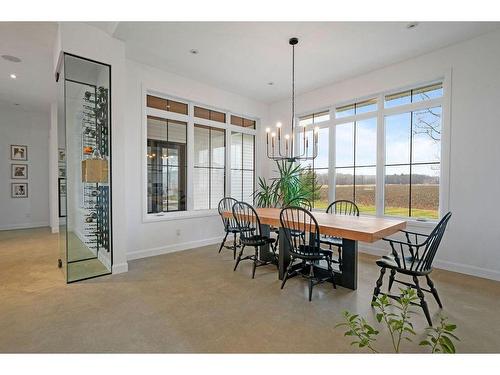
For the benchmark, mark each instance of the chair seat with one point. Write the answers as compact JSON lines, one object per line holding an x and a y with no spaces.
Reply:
{"x":389,"y":261}
{"x":232,"y":229}
{"x":310,"y":253}
{"x":330,"y":240}
{"x":257,"y":240}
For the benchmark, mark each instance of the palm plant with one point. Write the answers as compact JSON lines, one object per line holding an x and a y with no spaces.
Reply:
{"x":294,"y":182}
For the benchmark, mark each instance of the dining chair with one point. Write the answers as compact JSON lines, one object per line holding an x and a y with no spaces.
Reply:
{"x":339,"y":207}
{"x":251,"y":235}
{"x":230,"y":225}
{"x":413,"y":258}
{"x":305,"y":248}
{"x":298,"y":202}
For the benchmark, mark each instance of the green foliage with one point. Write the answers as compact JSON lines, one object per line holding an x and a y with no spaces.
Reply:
{"x":396,"y":317}
{"x":363,"y":333}
{"x":440,"y":338}
{"x":294,"y":182}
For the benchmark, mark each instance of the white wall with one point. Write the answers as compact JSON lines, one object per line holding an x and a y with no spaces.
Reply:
{"x":152,"y":238}
{"x":21,"y":127}
{"x":472,"y":243}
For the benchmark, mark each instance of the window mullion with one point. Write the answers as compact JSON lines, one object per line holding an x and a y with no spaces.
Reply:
{"x":380,"y":166}
{"x":190,"y":159}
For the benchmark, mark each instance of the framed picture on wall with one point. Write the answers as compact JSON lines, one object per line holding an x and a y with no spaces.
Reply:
{"x":19,"y":190}
{"x":62,"y":155}
{"x":19,"y":171}
{"x":62,"y":197}
{"x":18,"y":152}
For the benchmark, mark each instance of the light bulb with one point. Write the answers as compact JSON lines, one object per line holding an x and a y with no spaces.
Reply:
{"x":287,"y":136}
{"x":273,"y":134}
{"x":268,"y":130}
{"x":316,"y":129}
{"x":278,"y":124}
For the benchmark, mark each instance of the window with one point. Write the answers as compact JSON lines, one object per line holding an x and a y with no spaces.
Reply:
{"x":241,"y":121}
{"x":314,"y":118}
{"x":412,"y":163}
{"x":356,"y":159}
{"x":242,"y":166}
{"x":185,"y":158}
{"x":166,"y":165}
{"x":208,"y":114}
{"x":209,"y":166}
{"x":356,"y":108}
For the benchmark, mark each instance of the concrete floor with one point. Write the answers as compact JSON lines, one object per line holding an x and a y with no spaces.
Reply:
{"x":192,"y":301}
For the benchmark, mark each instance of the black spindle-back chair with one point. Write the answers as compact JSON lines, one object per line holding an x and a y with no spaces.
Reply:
{"x":305,"y":247}
{"x":339,"y":207}
{"x":230,"y":225}
{"x":414,"y":258}
{"x":250,"y":234}
{"x":295,"y":202}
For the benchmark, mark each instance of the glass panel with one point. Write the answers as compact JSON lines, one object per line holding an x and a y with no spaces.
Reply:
{"x":248,"y":151}
{"x":321,"y":117}
{"x":236,"y":150}
{"x":236,"y":120}
{"x":177,"y":131}
{"x":345,"y":111}
{"x":396,"y":99}
{"x":236,"y":185}
{"x":306,"y":120}
{"x":425,"y":191}
{"x":321,"y":200}
{"x":201,"y":113}
{"x":397,"y":138}
{"x":397,"y":191}
{"x":217,"y":186}
{"x":427,"y":135}
{"x":200,"y":188}
{"x":177,"y":107}
{"x":344,"y":183}
{"x":366,"y":106}
{"x":247,"y":123}
{"x":201,"y":147}
{"x":248,"y":187}
{"x":427,"y":92}
{"x":323,"y":141}
{"x":344,"y":145}
{"x":366,"y":142}
{"x":84,"y":122}
{"x":218,"y":141}
{"x":365,"y":189}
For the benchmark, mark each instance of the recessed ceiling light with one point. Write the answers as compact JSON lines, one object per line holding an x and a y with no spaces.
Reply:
{"x":194,"y":51}
{"x":270,"y":83}
{"x":412,"y":25}
{"x":13,"y":76}
{"x":11,"y":58}
{"x":16,"y":103}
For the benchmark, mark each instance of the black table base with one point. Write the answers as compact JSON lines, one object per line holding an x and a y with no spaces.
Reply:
{"x":347,"y":277}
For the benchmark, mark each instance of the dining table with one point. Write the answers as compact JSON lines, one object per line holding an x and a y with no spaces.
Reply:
{"x":351,"y":229}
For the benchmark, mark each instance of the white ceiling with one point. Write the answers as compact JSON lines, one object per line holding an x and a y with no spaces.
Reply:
{"x":33,"y":43}
{"x":238,"y":56}
{"x":243,"y":57}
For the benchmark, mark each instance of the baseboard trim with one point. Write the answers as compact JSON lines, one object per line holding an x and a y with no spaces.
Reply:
{"x":25,"y":226}
{"x":442,"y":264}
{"x":120,"y":268}
{"x":138,"y":254}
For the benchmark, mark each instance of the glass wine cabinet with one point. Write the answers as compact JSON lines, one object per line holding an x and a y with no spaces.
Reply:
{"x":84,"y":136}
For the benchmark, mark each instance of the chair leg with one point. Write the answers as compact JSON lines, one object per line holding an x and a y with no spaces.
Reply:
{"x":234,"y":247}
{"x":287,"y":273}
{"x":311,"y":275}
{"x":392,"y":277}
{"x":340,"y":258}
{"x":330,"y":268}
{"x":255,"y":262}
{"x":376,"y":291}
{"x":434,"y":291}
{"x":423,"y":303}
{"x":239,"y":257}
{"x":223,"y":242}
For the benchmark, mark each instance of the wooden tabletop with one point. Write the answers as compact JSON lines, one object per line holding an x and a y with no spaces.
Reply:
{"x":358,"y":228}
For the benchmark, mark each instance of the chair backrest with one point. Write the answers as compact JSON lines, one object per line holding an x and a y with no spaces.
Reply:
{"x":343,"y":207}
{"x":226,"y":205}
{"x":300,"y":202}
{"x":425,"y":259}
{"x":247,"y":220}
{"x":299,"y":220}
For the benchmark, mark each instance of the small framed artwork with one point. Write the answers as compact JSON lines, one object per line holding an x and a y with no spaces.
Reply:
{"x":18,"y":152}
{"x":62,"y":172}
{"x":19,"y":190}
{"x":62,"y":155}
{"x":19,"y":171}
{"x":62,"y":197}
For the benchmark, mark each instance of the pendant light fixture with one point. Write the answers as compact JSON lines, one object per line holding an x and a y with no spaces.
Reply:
{"x":278,"y":149}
